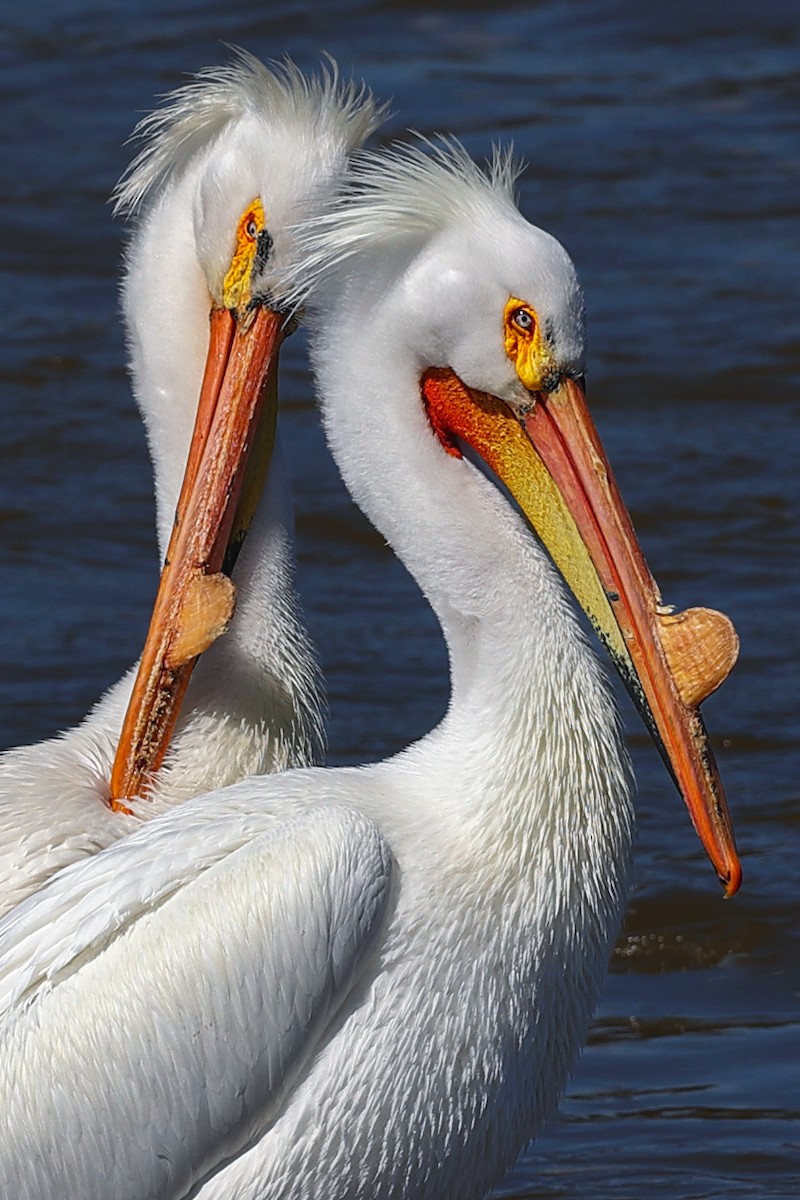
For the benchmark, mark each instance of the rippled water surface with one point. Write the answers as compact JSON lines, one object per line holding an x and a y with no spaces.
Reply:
{"x":662,"y":143}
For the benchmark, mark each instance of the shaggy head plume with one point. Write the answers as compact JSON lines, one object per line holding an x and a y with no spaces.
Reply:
{"x":400,"y":192}
{"x":198,"y":112}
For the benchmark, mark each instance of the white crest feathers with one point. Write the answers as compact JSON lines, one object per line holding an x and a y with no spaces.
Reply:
{"x":198,"y":112}
{"x":398,"y":192}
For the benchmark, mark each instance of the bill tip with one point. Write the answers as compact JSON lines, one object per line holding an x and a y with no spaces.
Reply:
{"x":733,"y":882}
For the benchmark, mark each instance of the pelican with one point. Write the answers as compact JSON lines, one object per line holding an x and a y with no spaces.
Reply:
{"x":228,"y":164}
{"x":371,"y":983}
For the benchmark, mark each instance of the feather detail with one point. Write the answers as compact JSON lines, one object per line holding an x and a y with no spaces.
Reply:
{"x":400,"y":192}
{"x":197,"y":113}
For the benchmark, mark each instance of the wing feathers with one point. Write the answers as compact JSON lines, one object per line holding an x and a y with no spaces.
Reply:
{"x":205,"y":1005}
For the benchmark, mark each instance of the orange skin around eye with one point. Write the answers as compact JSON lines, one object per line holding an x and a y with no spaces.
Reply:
{"x":528,"y":348}
{"x":236,"y":285}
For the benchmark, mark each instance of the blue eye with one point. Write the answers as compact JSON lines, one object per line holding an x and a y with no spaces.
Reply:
{"x":522,"y":319}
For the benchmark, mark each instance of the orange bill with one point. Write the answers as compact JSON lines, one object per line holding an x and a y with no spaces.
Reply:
{"x":551,"y":460}
{"x":227,"y":462}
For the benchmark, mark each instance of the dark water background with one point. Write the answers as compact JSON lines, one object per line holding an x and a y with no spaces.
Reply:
{"x":663,"y":149}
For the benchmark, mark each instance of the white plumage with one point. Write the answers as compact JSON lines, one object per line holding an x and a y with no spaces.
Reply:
{"x":253,"y":705}
{"x":365,"y":983}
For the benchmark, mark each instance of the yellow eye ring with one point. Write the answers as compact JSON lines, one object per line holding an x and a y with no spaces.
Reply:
{"x":236,"y":284}
{"x":526,"y":346}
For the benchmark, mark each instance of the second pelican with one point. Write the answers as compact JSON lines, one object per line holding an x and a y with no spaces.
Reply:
{"x":229,"y":164}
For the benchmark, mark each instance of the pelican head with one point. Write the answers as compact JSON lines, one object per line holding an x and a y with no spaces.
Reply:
{"x":231,"y":162}
{"x":480,"y":314}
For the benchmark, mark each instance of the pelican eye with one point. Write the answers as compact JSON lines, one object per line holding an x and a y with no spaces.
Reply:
{"x":523,"y":320}
{"x":249,"y":253}
{"x":526,"y":345}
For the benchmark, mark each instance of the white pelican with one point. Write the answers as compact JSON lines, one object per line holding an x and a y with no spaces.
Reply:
{"x":229,"y":164}
{"x":371,"y":983}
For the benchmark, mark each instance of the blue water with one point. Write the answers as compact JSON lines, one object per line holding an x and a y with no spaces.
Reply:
{"x":662,"y":144}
